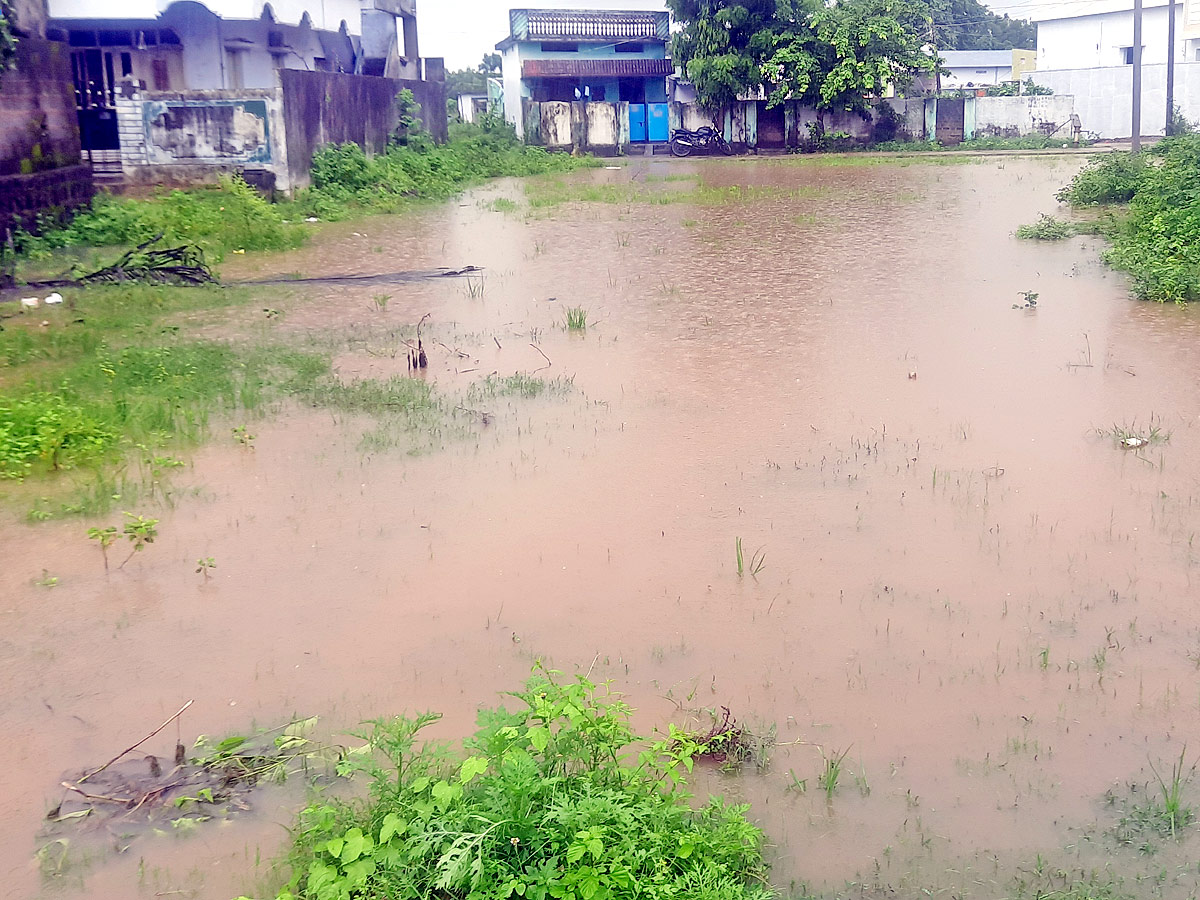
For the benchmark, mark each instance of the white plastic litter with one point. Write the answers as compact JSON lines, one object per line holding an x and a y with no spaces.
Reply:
{"x":30,"y":302}
{"x":1134,"y":442}
{"x":54,"y":299}
{"x":312,"y":219}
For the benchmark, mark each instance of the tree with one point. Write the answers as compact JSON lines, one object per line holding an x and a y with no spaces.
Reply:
{"x":474,"y":81}
{"x":828,"y":57}
{"x":8,"y":40}
{"x":969,"y":25}
{"x":721,"y":47}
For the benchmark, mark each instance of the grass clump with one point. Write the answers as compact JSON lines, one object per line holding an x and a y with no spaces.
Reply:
{"x":218,"y":219}
{"x":518,"y":385}
{"x":1111,"y":178}
{"x":576,"y":318}
{"x":345,"y":179}
{"x":1046,"y":228}
{"x":1157,"y":239}
{"x":1163,"y":816}
{"x":554,"y":799}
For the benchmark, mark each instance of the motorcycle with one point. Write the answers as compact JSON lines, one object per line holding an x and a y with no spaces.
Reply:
{"x":683,"y":142}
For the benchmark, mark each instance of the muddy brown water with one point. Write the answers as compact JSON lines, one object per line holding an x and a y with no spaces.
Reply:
{"x":989,"y":604}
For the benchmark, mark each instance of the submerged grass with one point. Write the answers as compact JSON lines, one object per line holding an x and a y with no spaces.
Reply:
{"x":96,"y":403}
{"x":520,"y":385}
{"x":557,"y":799}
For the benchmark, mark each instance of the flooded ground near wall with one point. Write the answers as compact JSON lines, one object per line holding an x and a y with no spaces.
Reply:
{"x":969,"y":585}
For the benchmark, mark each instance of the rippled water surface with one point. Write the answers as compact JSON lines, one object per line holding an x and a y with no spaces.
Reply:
{"x":968,"y":584}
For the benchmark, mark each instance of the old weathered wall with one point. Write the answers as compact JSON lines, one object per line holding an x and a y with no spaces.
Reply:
{"x":1104,"y":96}
{"x":323,"y":108}
{"x":38,"y":127}
{"x":1018,"y":116}
{"x":181,"y":137}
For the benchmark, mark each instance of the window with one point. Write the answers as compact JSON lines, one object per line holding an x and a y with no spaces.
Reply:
{"x":631,"y":48}
{"x":1127,"y":54}
{"x":559,"y":47}
{"x":235,"y":75}
{"x":126,"y":65}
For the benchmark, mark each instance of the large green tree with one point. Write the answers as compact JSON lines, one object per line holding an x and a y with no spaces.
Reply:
{"x":969,"y":25}
{"x":830,"y":57}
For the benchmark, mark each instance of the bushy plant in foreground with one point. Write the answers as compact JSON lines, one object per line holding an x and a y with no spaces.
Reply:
{"x":1110,"y":178}
{"x":218,"y":219}
{"x":1158,"y":240}
{"x":1046,"y":228}
{"x":553,"y":801}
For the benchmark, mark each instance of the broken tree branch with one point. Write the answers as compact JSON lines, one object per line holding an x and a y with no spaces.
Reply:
{"x":95,"y":772}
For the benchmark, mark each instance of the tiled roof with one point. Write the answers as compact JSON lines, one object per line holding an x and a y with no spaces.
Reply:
{"x":589,"y":25}
{"x":596,"y":68}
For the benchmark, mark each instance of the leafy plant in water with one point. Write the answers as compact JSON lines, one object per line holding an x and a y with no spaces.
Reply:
{"x":204,"y":566}
{"x":1030,"y":298}
{"x":552,"y":800}
{"x":757,"y":561}
{"x":1175,"y":813}
{"x":242,"y":436}
{"x":1046,"y":228}
{"x":106,"y":537}
{"x":140,"y":531}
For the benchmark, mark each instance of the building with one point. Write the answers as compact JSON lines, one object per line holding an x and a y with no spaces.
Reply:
{"x":1084,"y":34}
{"x":474,"y":106}
{"x":980,"y":68}
{"x":1085,"y":48}
{"x":613,"y":56}
{"x":40,"y":163}
{"x":176,"y":91}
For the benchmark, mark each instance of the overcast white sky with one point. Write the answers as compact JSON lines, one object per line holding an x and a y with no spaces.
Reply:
{"x":463,"y":30}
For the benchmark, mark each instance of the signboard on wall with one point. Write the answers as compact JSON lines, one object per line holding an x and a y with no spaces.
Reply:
{"x":207,"y":131}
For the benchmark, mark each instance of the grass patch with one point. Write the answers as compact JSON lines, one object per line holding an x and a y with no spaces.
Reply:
{"x":346,"y":181}
{"x":1131,"y":436}
{"x":1046,"y":228}
{"x":1162,"y":813}
{"x":220,"y":219}
{"x":558,"y":798}
{"x":1107,"y":179}
{"x":95,"y":406}
{"x":576,"y":318}
{"x":519,"y":385}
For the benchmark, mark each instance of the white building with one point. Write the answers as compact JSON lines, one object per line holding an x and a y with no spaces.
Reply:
{"x":1085,"y":49}
{"x":975,"y":68}
{"x":1085,"y":34}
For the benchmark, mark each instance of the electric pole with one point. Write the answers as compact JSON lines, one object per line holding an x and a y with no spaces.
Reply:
{"x":1136,"y":133}
{"x":1170,"y":66}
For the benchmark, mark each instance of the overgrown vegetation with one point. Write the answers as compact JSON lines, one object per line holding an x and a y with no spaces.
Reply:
{"x":219,"y":219}
{"x":8,"y":40}
{"x":346,"y":180}
{"x":558,"y":798}
{"x":1157,"y":240}
{"x":103,"y":395}
{"x":1046,"y":228}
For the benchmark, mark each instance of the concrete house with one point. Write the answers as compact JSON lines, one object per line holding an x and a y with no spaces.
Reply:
{"x":612,"y":57}
{"x":1085,"y":48}
{"x":167,"y":88}
{"x":980,"y":68}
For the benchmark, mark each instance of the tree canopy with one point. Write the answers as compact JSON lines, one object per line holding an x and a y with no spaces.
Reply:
{"x":473,"y":81}
{"x":830,"y":56}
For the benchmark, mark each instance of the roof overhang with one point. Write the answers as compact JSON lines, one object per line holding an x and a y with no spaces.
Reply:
{"x":597,"y":68}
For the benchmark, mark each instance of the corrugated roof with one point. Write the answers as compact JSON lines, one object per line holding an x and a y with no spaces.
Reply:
{"x":596,"y":68}
{"x":980,"y":59}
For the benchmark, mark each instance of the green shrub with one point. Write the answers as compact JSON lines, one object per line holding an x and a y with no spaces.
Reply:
{"x":1046,"y":228}
{"x":1111,"y":178}
{"x":218,"y":219}
{"x":1158,"y":243}
{"x":552,"y":802}
{"x":43,"y":428}
{"x":345,"y":179}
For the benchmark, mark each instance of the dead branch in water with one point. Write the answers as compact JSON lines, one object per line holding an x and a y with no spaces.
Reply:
{"x":181,"y":711}
{"x":544,"y":356}
{"x":183,"y":265}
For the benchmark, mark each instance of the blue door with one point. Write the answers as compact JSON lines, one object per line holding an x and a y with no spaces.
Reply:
{"x":659,"y":127}
{"x":637,"y":123}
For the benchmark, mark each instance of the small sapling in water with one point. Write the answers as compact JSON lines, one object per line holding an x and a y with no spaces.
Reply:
{"x":107,"y":537}
{"x":140,"y":531}
{"x":204,"y":566}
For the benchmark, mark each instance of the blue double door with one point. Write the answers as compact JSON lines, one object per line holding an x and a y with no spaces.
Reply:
{"x":649,"y":122}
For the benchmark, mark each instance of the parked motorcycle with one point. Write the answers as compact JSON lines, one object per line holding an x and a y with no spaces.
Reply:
{"x":683,"y":142}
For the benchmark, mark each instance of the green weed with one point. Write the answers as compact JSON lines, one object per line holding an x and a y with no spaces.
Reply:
{"x":519,"y":385}
{"x":576,"y":318}
{"x":552,"y":800}
{"x":1046,"y":228}
{"x":756,"y":563}
{"x":831,"y":772}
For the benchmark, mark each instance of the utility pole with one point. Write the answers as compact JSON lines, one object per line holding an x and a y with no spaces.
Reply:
{"x":1170,"y":66}
{"x":1136,"y":132}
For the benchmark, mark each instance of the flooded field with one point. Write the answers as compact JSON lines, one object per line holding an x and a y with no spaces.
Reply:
{"x":967,"y":588}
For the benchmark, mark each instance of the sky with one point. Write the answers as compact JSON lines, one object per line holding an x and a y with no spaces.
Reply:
{"x":463,"y":30}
